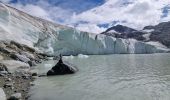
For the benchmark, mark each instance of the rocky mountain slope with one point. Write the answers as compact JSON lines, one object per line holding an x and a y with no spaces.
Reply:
{"x":159,"y":33}
{"x":52,"y":39}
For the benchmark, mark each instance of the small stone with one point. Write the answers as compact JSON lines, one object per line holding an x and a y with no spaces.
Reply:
{"x":34,"y":74}
{"x":16,"y":96}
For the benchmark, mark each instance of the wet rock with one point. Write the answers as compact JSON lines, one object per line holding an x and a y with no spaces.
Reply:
{"x":2,"y":94}
{"x":16,"y":96}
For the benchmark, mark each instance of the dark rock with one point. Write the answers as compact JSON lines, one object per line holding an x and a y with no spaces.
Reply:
{"x":34,"y":74}
{"x":32,"y":63}
{"x":62,"y":68}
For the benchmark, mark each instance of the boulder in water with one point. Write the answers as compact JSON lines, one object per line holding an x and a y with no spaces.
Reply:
{"x":62,"y":68}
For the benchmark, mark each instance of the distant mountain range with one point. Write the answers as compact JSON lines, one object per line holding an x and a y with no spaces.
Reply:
{"x":159,"y":33}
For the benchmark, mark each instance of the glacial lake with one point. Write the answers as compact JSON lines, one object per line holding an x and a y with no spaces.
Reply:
{"x":107,"y":77}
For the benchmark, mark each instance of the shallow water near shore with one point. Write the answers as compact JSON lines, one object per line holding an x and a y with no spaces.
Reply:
{"x":108,"y":77}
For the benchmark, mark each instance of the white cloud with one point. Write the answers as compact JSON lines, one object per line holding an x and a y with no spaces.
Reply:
{"x":93,"y":28}
{"x":44,"y":10}
{"x":136,"y":14}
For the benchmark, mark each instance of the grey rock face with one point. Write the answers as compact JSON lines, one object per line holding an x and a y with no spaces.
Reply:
{"x":120,"y":31}
{"x":161,"y":33}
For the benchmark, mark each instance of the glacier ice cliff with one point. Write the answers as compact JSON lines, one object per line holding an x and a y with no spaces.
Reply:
{"x":53,"y":39}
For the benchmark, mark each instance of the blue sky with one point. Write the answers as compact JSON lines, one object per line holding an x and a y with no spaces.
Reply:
{"x":97,"y":15}
{"x":77,"y":6}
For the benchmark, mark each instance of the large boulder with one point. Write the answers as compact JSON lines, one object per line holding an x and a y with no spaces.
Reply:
{"x":61,"y":69}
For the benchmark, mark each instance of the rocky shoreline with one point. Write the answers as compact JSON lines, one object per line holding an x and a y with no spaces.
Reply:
{"x":16,"y":77}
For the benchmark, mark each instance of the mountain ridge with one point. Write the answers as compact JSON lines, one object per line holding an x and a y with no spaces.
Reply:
{"x":159,"y":33}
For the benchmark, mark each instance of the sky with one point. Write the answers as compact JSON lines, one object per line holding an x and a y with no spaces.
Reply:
{"x":97,"y":15}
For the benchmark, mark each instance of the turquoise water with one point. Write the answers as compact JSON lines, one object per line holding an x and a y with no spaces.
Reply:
{"x":108,"y":77}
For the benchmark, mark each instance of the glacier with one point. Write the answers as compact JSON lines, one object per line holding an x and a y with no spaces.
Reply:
{"x":53,"y":39}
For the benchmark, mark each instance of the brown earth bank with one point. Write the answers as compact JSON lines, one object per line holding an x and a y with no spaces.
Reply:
{"x":16,"y":61}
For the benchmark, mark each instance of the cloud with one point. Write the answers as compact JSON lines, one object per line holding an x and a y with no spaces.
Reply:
{"x":90,"y":28}
{"x":132,"y":13}
{"x":44,"y":10}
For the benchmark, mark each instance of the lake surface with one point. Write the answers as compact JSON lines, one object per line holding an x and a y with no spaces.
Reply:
{"x":108,"y":77}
